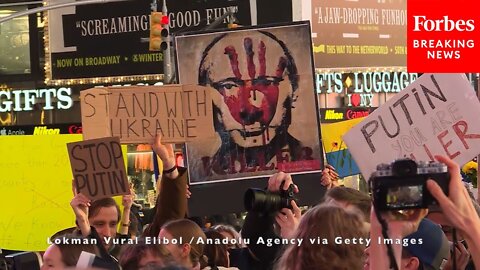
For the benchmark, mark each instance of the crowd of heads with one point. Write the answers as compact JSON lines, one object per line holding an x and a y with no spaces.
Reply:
{"x":344,"y":231}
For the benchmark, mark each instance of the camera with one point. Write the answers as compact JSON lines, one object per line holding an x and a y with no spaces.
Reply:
{"x":259,"y":200}
{"x":402,"y":184}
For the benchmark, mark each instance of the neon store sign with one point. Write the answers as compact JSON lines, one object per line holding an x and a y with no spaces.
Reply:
{"x":363,"y":83}
{"x":24,"y":100}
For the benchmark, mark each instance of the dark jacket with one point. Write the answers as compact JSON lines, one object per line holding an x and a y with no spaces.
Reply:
{"x":258,"y":227}
{"x":107,"y":260}
{"x":171,"y":202}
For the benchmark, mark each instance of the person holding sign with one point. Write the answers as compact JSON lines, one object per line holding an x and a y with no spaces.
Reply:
{"x":98,"y":220}
{"x":171,"y":203}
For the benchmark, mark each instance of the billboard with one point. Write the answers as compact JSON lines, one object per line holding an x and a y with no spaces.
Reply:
{"x":358,"y":35}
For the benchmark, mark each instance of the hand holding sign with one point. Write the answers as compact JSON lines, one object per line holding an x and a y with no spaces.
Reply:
{"x":329,"y":177}
{"x":80,"y":204}
{"x":98,"y":168}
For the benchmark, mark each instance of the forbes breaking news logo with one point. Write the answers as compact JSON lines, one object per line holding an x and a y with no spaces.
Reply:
{"x":439,"y":42}
{"x":443,"y":49}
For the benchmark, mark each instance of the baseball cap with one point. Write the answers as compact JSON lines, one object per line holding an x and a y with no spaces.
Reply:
{"x":434,"y":251}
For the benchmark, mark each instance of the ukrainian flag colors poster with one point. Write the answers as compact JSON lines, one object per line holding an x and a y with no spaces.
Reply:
{"x":336,"y":150}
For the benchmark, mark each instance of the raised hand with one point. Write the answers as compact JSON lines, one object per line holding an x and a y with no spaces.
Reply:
{"x":462,"y":257}
{"x":457,"y":207}
{"x":164,"y":151}
{"x":329,"y":177}
{"x":80,"y":204}
{"x":127,"y":200}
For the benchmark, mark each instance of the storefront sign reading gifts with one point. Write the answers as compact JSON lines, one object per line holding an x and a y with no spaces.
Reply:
{"x":435,"y":115}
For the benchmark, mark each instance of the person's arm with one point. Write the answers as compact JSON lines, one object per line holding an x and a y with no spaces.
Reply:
{"x":80,"y":204}
{"x":458,"y":207}
{"x":258,"y":226}
{"x":166,"y":154}
{"x":172,"y":199}
{"x":127,"y":201}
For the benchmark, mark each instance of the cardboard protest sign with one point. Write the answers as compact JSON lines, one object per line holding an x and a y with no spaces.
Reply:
{"x":264,"y":102}
{"x":136,"y":114}
{"x":98,"y":168}
{"x":435,"y":115}
{"x":336,"y":151}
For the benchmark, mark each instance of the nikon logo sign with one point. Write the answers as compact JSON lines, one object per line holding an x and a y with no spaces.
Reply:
{"x":45,"y":131}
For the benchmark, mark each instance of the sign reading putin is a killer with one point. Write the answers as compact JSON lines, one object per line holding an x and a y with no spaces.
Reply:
{"x":435,"y":115}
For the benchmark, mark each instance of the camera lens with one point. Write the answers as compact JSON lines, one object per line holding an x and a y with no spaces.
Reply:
{"x":259,"y":200}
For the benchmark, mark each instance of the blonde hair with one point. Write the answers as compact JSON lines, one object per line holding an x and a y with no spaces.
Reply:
{"x":325,"y":222}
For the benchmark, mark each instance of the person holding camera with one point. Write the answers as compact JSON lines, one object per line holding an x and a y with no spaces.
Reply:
{"x":275,"y":223}
{"x":457,"y":207}
{"x":460,"y":253}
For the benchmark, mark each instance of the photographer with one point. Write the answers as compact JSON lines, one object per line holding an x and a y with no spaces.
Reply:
{"x":457,"y":207}
{"x":426,"y":248}
{"x":261,"y":225}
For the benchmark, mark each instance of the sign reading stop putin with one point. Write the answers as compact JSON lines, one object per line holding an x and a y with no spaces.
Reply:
{"x":98,"y":168}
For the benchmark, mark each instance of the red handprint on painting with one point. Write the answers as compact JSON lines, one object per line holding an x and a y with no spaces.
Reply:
{"x":256,"y":80}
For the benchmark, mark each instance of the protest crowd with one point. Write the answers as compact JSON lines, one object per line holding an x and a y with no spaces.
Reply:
{"x":342,"y":232}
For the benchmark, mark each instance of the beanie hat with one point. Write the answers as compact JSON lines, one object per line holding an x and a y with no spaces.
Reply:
{"x":434,"y":249}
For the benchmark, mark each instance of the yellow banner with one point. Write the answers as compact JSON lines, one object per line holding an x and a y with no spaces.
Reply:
{"x":332,"y":134}
{"x":35,"y":190}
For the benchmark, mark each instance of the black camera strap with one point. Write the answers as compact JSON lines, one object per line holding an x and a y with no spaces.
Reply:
{"x":391,"y":255}
{"x":454,"y":250}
